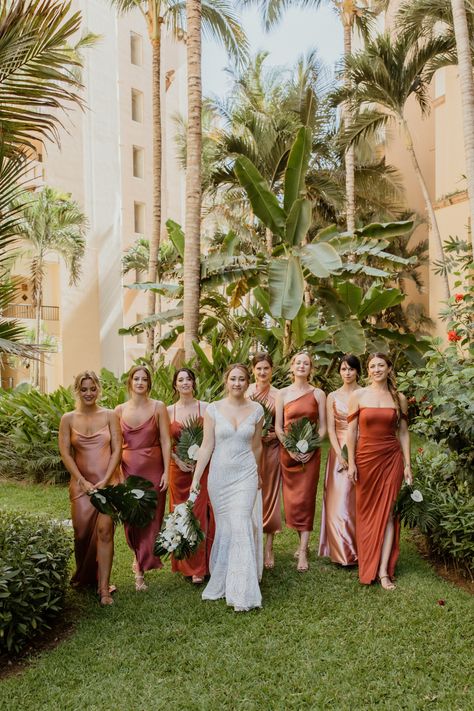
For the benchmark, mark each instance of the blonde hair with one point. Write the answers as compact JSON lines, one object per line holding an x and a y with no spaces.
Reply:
{"x":391,"y":380}
{"x":86,"y":375}
{"x":136,"y":369}
{"x":310,"y":358}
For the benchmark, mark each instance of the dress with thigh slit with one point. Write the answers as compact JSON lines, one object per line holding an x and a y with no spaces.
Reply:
{"x":271,"y":472}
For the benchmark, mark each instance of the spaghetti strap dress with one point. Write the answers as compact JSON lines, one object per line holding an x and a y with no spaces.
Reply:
{"x":379,"y":461}
{"x":338,"y":529}
{"x":179,"y":485}
{"x":271,"y":472}
{"x":300,"y":483}
{"x":92,"y":455}
{"x":141,"y":456}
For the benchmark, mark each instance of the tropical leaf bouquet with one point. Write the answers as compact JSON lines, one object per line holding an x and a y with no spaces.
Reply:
{"x":181,"y":534}
{"x":267,"y":415}
{"x":132,"y":502}
{"x":414,"y":508}
{"x":301,"y":437}
{"x":190,"y":440}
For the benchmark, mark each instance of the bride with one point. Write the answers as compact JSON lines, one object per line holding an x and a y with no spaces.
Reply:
{"x":233,"y":436}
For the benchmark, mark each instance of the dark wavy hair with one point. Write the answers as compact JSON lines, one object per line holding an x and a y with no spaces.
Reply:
{"x":353,"y":362}
{"x":191,"y":374}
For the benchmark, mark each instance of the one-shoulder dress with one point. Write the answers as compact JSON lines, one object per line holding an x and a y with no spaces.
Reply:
{"x":338,"y":519}
{"x":236,"y":562}
{"x":300,"y":483}
{"x":92,"y":455}
{"x":179,"y":485}
{"x":379,"y":461}
{"x":271,"y":472}
{"x":141,"y":456}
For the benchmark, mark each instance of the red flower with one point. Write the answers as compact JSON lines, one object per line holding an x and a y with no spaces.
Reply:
{"x":420,"y":450}
{"x":459,"y":297}
{"x":412,"y":400}
{"x":441,"y":603}
{"x":453,"y":336}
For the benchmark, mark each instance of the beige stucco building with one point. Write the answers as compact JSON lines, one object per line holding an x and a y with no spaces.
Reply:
{"x":104,"y":161}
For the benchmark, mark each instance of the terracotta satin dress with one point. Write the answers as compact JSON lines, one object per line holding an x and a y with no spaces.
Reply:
{"x":141,"y":456}
{"x":180,"y":483}
{"x":300,"y":485}
{"x":271,"y":472}
{"x":92,"y":455}
{"x":379,"y":462}
{"x":338,"y":530}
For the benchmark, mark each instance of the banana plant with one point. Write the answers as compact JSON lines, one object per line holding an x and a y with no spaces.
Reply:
{"x":289,"y":220}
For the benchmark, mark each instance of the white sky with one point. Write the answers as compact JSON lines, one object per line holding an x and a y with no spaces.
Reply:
{"x":298,"y":32}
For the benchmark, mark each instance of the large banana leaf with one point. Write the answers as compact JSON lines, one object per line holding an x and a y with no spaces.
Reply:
{"x":176,"y":235}
{"x":298,"y":222}
{"x":320,"y":259}
{"x":350,"y":337}
{"x":377,"y":299}
{"x":164,"y":317}
{"x":351,"y":294}
{"x":172,"y":291}
{"x":296,"y":167}
{"x":264,"y":203}
{"x":386,"y":230}
{"x":286,"y":287}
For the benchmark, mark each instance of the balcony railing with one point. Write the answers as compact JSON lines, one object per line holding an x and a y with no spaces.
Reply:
{"x":48,"y":313}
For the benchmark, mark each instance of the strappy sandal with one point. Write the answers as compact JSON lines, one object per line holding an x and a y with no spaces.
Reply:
{"x":391,"y":585}
{"x":303,"y":567}
{"x":106,"y":598}
{"x":269,"y":561}
{"x":197,"y":579}
{"x":140,"y":585}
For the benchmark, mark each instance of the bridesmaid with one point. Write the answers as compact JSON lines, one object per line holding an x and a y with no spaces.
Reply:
{"x":184,"y":384}
{"x":337,"y":540}
{"x":263,"y":391}
{"x":300,"y":483}
{"x":378,"y":463}
{"x":146,"y":453}
{"x":90,"y":445}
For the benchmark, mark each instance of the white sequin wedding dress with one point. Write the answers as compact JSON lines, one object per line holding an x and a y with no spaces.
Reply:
{"x":237,"y":553}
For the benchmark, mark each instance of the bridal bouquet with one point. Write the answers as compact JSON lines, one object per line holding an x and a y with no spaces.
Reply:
{"x":267,"y":415}
{"x":414,"y":508}
{"x":132,"y":502}
{"x":190,"y":440}
{"x":301,"y":437}
{"x":181,"y":533}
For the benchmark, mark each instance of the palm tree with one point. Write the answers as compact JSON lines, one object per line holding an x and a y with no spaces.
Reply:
{"x":50,"y":222}
{"x":38,"y":78}
{"x":456,"y":17}
{"x":220,"y":22}
{"x":382,"y":78}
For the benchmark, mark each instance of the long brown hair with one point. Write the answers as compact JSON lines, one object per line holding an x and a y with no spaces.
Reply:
{"x":240,"y":366}
{"x":391,"y":380}
{"x":132,"y":372}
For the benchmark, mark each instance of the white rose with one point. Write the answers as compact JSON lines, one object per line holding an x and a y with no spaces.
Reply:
{"x":416,"y":495}
{"x":137,"y":493}
{"x":193,"y":452}
{"x":302,"y":446}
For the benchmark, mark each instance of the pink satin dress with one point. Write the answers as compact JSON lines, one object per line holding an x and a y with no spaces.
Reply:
{"x":338,"y":530}
{"x":271,"y":472}
{"x":379,"y":461}
{"x":141,"y":456}
{"x":180,"y":483}
{"x":92,"y":455}
{"x":300,"y":483}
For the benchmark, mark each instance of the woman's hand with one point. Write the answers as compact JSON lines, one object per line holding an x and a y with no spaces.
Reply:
{"x":87,"y":487}
{"x":270,"y":437}
{"x":343,"y":463}
{"x":189,"y":468}
{"x":194,"y":487}
{"x":304,"y":458}
{"x":164,"y":482}
{"x":352,"y":472}
{"x":407,"y":474}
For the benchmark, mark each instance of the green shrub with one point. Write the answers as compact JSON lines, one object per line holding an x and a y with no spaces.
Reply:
{"x":34,"y":556}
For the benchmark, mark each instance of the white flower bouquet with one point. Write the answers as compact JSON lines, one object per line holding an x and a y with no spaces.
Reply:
{"x":181,"y":534}
{"x":301,"y":437}
{"x":190,"y":440}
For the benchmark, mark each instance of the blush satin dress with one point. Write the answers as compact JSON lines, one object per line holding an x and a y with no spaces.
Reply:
{"x":379,"y":461}
{"x":300,"y":483}
{"x":180,"y":483}
{"x":338,"y":526}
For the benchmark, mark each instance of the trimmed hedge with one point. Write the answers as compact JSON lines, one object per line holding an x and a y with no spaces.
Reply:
{"x":34,"y":556}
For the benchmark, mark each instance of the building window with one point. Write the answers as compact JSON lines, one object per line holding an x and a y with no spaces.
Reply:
{"x":139,"y":218}
{"x":136,"y":49}
{"x":138,"y":162}
{"x":137,"y":106}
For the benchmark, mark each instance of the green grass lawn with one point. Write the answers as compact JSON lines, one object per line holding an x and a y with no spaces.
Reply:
{"x":321,"y":641}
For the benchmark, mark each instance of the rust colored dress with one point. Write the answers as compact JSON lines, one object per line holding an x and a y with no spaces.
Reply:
{"x":92,"y":455}
{"x":338,"y":529}
{"x":271,"y":472}
{"x":141,"y":456}
{"x":379,"y":462}
{"x":300,"y":484}
{"x":180,"y":483}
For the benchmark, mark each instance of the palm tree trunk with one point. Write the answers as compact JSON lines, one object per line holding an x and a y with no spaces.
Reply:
{"x":287,"y":338}
{"x":192,"y":244}
{"x":155,"y":37}
{"x":269,"y":240}
{"x":349,"y":160}
{"x":467,"y":96}
{"x":38,"y":306}
{"x":429,"y":207}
